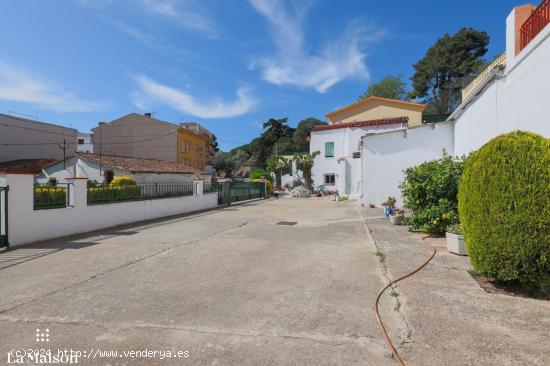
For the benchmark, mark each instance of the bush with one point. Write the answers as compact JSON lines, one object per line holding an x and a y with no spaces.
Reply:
{"x":430,"y":190}
{"x":113,"y":193}
{"x":504,"y":206}
{"x":297,"y":183}
{"x":259,"y":173}
{"x":123,"y":181}
{"x":268,"y":184}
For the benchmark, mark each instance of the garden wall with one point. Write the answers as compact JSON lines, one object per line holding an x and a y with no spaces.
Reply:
{"x":27,"y":225}
{"x":386,"y":155}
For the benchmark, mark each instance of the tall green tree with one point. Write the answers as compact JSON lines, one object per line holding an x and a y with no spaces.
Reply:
{"x":304,"y":162}
{"x":276,"y":164}
{"x":299,"y":137}
{"x":439,"y":75}
{"x":224,"y":162}
{"x":392,"y":87}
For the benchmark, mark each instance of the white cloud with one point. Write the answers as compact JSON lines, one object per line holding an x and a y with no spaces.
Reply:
{"x":151,"y":91}
{"x":17,"y":85}
{"x":295,"y":64}
{"x":187,"y":13}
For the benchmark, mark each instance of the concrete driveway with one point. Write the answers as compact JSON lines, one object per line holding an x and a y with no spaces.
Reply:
{"x":230,"y":287}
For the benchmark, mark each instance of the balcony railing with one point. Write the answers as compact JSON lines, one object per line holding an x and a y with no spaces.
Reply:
{"x":535,"y":23}
{"x":499,"y":61}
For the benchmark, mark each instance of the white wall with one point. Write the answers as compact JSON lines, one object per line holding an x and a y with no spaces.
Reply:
{"x":27,"y":225}
{"x":520,"y":100}
{"x":346,"y":142}
{"x":386,"y":155}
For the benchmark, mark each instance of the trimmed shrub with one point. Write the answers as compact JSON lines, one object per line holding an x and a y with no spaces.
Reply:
{"x":504,"y":207}
{"x":430,"y":191}
{"x":123,"y":181}
{"x":259,"y":173}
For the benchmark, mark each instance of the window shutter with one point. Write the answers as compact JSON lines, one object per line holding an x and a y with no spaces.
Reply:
{"x":329,"y":149}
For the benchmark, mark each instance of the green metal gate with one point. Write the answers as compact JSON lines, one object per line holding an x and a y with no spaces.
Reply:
{"x":229,"y":192}
{"x":3,"y":217}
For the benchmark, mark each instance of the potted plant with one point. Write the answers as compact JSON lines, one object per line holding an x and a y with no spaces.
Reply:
{"x":389,"y":205}
{"x":397,"y":216}
{"x":455,"y":240}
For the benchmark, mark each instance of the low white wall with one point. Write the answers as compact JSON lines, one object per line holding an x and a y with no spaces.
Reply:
{"x":27,"y":225}
{"x":386,"y":155}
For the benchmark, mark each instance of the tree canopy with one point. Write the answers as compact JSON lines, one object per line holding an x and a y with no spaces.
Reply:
{"x":439,"y":75}
{"x":393,"y":87}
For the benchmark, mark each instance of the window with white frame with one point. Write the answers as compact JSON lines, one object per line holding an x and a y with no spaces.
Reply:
{"x":330,"y":179}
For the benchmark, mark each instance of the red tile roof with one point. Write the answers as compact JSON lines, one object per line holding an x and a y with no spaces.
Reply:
{"x":356,"y":124}
{"x":137,"y":165}
{"x":25,"y":166}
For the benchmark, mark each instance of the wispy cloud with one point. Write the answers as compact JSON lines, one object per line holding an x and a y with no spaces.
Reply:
{"x":187,"y":13}
{"x":295,"y":64}
{"x":17,"y":85}
{"x":152,"y":91}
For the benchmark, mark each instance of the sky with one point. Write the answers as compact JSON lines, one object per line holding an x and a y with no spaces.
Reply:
{"x":229,"y":65}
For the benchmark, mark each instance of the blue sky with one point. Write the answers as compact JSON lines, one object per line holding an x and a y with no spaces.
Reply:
{"x":229,"y":65}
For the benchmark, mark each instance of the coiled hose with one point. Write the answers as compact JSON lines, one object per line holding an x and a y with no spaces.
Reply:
{"x":397,"y":358}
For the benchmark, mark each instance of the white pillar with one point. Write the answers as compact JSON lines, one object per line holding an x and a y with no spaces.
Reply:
{"x":199,"y":187}
{"x":20,"y":204}
{"x":78,"y":192}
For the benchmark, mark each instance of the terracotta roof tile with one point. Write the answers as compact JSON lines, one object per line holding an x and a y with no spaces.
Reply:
{"x":356,"y":124}
{"x":25,"y":166}
{"x":137,"y":165}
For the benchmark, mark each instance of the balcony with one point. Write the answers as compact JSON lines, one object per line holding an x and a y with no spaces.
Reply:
{"x":535,"y":23}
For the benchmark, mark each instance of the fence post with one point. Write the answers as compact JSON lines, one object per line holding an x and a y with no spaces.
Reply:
{"x":78,"y":193}
{"x":199,"y":187}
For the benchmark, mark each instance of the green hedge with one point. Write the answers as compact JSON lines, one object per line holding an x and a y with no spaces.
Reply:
{"x":504,"y":207}
{"x":430,"y":191}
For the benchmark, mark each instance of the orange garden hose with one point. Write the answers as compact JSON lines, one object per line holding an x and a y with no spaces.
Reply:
{"x":398,"y":358}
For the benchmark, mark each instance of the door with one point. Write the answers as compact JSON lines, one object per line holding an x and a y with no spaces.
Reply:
{"x":3,"y":217}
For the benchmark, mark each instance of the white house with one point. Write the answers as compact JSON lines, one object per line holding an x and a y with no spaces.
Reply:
{"x":84,"y":142}
{"x":338,"y":167}
{"x":103,"y":169}
{"x":512,"y":94}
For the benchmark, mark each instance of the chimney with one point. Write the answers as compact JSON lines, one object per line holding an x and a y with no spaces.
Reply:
{"x":148,"y":114}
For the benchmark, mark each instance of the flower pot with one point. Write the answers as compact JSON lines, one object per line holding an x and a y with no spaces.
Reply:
{"x":396,"y":220}
{"x":456,"y":244}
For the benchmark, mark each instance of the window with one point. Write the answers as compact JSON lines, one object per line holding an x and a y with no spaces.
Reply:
{"x":329,"y":149}
{"x":330,"y":179}
{"x":52,"y":182}
{"x":81,"y":141}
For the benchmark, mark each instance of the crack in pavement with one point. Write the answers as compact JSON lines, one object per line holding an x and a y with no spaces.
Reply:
{"x":127,"y":264}
{"x":335,"y":340}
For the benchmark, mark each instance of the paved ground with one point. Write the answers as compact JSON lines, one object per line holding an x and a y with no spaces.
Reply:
{"x":229,"y":286}
{"x":450,"y":319}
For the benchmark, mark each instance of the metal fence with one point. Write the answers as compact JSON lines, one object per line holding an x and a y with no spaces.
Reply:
{"x":4,"y":217}
{"x":109,"y":194}
{"x":229,"y":192}
{"x":210,"y":187}
{"x":48,"y":196}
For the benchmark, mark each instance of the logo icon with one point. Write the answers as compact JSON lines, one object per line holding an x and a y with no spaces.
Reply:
{"x":42,"y":336}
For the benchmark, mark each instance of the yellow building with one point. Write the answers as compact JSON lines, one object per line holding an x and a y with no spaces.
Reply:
{"x":193,"y":148}
{"x":374,"y":108}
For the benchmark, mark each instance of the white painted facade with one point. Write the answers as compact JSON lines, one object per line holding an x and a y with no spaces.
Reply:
{"x":386,"y":155}
{"x":518,"y":98}
{"x":27,"y":225}
{"x":84,"y":142}
{"x":346,"y":168}
{"x":79,"y":167}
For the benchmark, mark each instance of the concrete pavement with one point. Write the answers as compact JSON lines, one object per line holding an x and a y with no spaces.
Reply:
{"x":231,"y":287}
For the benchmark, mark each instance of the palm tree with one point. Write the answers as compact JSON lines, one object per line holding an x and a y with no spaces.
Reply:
{"x":277,"y":164}
{"x":304,"y":162}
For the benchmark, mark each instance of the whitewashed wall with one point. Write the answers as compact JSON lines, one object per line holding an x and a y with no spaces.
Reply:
{"x":386,"y":155}
{"x":520,"y":100}
{"x":27,"y":225}
{"x":346,"y":142}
